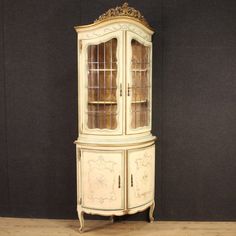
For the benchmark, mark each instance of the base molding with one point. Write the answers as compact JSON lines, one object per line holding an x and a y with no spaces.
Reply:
{"x":115,"y":212}
{"x":81,"y":210}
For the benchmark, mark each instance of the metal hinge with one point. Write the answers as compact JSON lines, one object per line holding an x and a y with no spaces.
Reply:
{"x":79,"y":154}
{"x":80,"y":46}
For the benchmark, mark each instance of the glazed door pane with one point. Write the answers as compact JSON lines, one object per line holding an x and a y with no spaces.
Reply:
{"x":102,"y":86}
{"x":139,"y":84}
{"x":141,"y":168}
{"x":103,"y":179}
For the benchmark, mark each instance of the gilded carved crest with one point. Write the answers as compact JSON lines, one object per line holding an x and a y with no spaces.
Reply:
{"x":123,"y":10}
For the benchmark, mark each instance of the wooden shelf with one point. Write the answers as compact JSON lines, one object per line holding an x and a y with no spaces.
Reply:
{"x":141,"y":101}
{"x":103,"y":102}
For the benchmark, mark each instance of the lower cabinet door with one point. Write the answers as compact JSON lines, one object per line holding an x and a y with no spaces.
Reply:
{"x":102,"y":179}
{"x":141,"y":172}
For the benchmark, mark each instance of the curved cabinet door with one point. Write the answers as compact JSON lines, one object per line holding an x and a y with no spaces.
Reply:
{"x":141,"y":167}
{"x":102,"y":179}
{"x":101,"y":84}
{"x":139,"y":74}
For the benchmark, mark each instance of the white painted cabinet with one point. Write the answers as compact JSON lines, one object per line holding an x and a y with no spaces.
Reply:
{"x":115,"y":147}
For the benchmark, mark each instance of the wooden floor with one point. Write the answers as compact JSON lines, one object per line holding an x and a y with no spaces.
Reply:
{"x":38,"y":227}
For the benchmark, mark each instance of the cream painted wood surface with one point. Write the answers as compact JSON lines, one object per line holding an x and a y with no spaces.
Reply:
{"x":102,"y":179}
{"x":114,"y":88}
{"x":141,"y":167}
{"x":43,"y":227}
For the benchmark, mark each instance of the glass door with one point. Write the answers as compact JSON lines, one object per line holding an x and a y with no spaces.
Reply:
{"x":102,"y":86}
{"x":139,"y":54}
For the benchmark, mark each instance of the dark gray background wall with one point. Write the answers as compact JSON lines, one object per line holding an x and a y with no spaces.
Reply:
{"x":194,"y":112}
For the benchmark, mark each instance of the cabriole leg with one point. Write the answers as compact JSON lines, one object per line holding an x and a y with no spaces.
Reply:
{"x":81,"y":220}
{"x":151,"y":210}
{"x":112,"y":219}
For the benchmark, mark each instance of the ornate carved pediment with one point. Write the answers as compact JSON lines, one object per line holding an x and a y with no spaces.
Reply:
{"x":123,"y":10}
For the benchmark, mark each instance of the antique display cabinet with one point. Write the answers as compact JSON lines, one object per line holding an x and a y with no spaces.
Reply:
{"x":115,"y":148}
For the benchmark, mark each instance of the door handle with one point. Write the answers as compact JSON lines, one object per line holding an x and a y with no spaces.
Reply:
{"x":129,"y":89}
{"x":120,"y":90}
{"x":132,"y":182}
{"x":119,"y":181}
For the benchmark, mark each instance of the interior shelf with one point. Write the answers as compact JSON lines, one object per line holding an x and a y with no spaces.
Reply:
{"x":103,"y":102}
{"x":140,"y":101}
